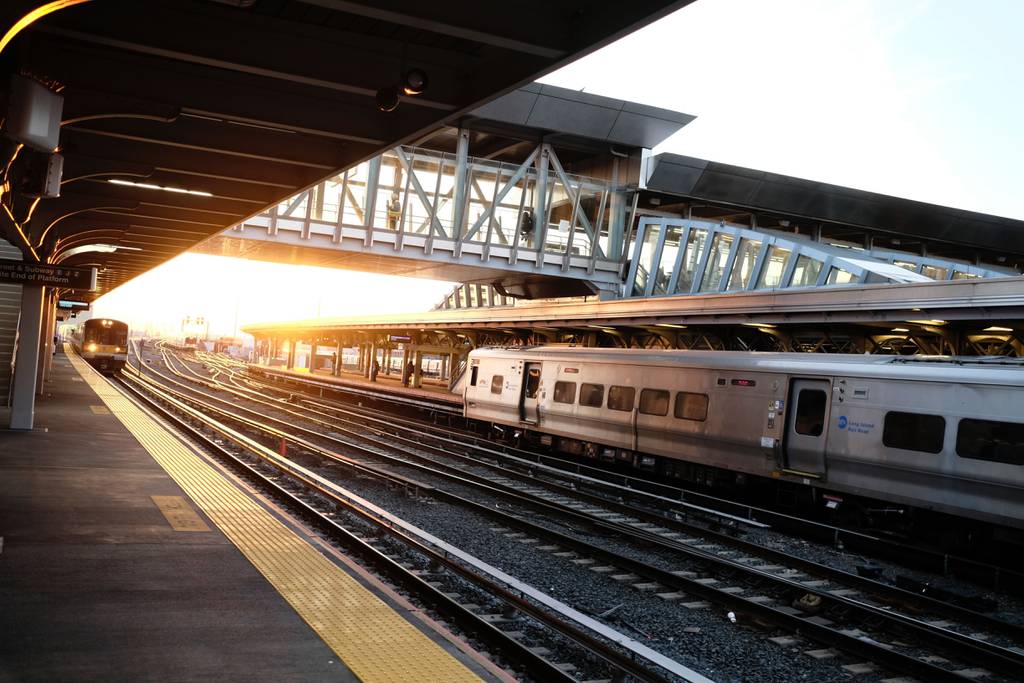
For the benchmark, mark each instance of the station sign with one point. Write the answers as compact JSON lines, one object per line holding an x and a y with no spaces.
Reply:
{"x":72,"y":305}
{"x":25,"y":273}
{"x":400,"y":338}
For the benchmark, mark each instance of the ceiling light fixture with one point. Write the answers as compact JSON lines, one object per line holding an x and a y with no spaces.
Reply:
{"x":900,"y":329}
{"x":995,"y":328}
{"x":415,"y":82}
{"x":151,"y":186}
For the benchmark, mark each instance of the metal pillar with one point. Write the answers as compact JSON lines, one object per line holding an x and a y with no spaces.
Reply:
{"x":461,"y":159}
{"x":49,"y":346}
{"x":372,"y":180}
{"x":616,"y":215}
{"x":312,"y":355}
{"x":291,"y":353}
{"x":336,"y":370}
{"x":26,"y":361}
{"x":373,"y":357}
{"x":540,"y":198}
{"x":417,"y":369}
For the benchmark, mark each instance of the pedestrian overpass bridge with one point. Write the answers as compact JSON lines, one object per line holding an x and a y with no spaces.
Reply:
{"x":561,"y":197}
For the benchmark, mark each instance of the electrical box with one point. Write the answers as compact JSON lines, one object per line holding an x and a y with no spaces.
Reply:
{"x":39,"y":174}
{"x":33,"y":116}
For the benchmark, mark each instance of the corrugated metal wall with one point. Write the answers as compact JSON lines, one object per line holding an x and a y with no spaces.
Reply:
{"x":10,"y":306}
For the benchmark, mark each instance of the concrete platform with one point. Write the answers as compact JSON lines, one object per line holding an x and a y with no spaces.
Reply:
{"x":96,"y":583}
{"x":385,"y":383}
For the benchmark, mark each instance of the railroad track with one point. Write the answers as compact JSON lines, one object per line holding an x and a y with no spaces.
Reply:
{"x":664,"y":496}
{"x":497,"y":614}
{"x":778,"y":586}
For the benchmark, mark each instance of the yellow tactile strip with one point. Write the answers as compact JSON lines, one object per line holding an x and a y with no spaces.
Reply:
{"x":372,"y":639}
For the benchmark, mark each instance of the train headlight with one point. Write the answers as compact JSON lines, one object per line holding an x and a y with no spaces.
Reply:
{"x":90,"y":347}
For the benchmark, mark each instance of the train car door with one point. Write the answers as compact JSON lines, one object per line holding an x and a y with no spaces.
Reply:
{"x":805,"y":429}
{"x":528,"y":411}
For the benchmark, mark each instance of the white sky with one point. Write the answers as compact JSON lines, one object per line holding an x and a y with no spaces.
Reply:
{"x":913,"y":98}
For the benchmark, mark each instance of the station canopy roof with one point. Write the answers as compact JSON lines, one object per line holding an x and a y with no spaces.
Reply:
{"x":181,"y":119}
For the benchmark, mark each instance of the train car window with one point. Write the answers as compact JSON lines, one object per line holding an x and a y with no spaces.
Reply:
{"x":565,"y":392}
{"x":691,"y":406}
{"x":914,"y":432}
{"x":591,"y":395}
{"x":621,"y":398}
{"x":532,"y":382}
{"x":654,"y":402}
{"x":810,"y":412}
{"x":990,"y":440}
{"x":496,"y":383}
{"x":473,"y":375}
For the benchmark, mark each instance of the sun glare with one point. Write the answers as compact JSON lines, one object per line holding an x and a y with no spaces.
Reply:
{"x":231,"y":293}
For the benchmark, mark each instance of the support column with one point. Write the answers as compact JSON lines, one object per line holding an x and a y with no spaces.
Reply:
{"x":372,"y":181}
{"x":540,"y":200}
{"x":461,"y":161}
{"x":373,"y":358}
{"x":291,"y":353}
{"x":26,"y":361}
{"x":312,"y":355}
{"x":336,"y":370}
{"x":48,"y":346}
{"x":417,"y":369}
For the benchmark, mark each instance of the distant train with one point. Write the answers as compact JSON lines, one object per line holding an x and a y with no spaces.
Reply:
{"x":928,"y":433}
{"x":103,"y":343}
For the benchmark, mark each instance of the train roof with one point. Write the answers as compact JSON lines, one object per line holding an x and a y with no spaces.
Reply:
{"x":974,"y":369}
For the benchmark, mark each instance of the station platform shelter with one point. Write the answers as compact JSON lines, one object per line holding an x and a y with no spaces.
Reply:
{"x":131,"y":133}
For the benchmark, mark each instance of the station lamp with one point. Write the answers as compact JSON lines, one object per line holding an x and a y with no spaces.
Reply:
{"x":414,"y":82}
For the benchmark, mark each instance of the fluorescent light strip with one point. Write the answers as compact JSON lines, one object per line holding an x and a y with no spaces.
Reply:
{"x":151,"y":186}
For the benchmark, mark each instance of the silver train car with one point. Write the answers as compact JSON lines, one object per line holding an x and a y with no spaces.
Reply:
{"x":103,"y":343}
{"x":932,"y":433}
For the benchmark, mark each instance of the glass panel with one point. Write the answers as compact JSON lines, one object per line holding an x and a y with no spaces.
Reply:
{"x":914,"y":432}
{"x":621,"y":398}
{"x":774,"y":267}
{"x":694,"y":246}
{"x":990,"y":440}
{"x":532,"y":382}
{"x":961,"y":275}
{"x":645,"y":263}
{"x":743,"y":266}
{"x":496,"y":383}
{"x":565,"y":392}
{"x":591,"y":395}
{"x":559,"y":207}
{"x":355,"y":196}
{"x":838,"y":276}
{"x":935,"y":272}
{"x":810,"y":412}
{"x":906,"y":265}
{"x":654,"y":402}
{"x":806,"y":271}
{"x":691,"y":406}
{"x":664,"y":267}
{"x":717,"y":260}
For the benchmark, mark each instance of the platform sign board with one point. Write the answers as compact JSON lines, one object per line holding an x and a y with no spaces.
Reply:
{"x":400,"y":338}
{"x":24,"y":273}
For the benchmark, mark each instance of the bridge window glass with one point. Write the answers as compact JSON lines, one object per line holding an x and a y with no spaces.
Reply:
{"x":565,"y":392}
{"x":914,"y":432}
{"x":691,"y":406}
{"x":806,"y":271}
{"x":591,"y":395}
{"x":667,"y":262}
{"x":497,"y":382}
{"x":654,"y":402}
{"x":961,"y":275}
{"x":717,"y":259}
{"x":838,"y":276}
{"x":774,"y":267}
{"x":691,"y":258}
{"x":906,"y":265}
{"x":810,"y":412}
{"x":621,"y":398}
{"x":935,"y":272}
{"x":991,"y":440}
{"x":646,"y":263}
{"x":473,"y":375}
{"x":743,"y":266}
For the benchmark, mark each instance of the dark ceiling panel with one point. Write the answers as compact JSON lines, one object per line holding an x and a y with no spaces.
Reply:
{"x":253,"y":103}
